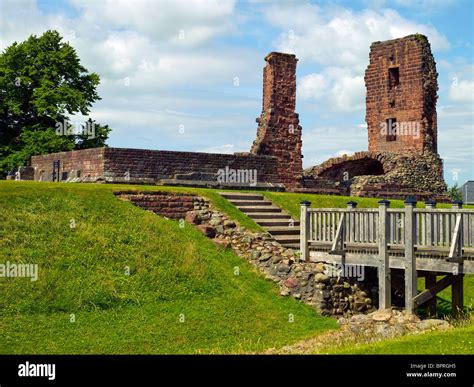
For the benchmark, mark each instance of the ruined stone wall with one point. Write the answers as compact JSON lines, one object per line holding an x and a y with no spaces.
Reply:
{"x":170,"y":204}
{"x":404,"y":174}
{"x":121,"y":165}
{"x":401,"y":82}
{"x":279,"y":132}
{"x":84,"y":165}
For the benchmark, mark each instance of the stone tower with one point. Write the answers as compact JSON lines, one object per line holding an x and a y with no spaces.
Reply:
{"x":279,"y":132}
{"x":401,"y":83}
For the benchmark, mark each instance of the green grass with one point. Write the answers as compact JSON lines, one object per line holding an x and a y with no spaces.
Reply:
{"x":455,"y":341}
{"x":174,"y":273}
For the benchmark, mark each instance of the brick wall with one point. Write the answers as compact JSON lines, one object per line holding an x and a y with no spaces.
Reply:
{"x":172,"y":205}
{"x":87,"y":163}
{"x":412,"y":100}
{"x":118,"y":165}
{"x":279,"y":132}
{"x":155,"y":165}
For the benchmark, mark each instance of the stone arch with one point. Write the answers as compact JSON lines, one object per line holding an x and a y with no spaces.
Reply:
{"x":348,"y":169}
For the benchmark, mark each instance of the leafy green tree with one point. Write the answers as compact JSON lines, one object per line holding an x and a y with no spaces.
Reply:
{"x":42,"y":83}
{"x":455,"y":193}
{"x":94,"y":136}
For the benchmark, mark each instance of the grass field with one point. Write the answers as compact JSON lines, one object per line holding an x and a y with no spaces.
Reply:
{"x":116,"y":279}
{"x":456,"y":341}
{"x":181,"y":295}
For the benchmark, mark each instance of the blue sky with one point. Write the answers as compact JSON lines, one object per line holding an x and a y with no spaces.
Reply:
{"x":169,"y":68}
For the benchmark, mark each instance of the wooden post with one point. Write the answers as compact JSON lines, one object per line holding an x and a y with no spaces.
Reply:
{"x":430,"y":205}
{"x":430,"y":281}
{"x":457,"y":287}
{"x":304,"y":230}
{"x":411,"y":286}
{"x":457,"y":294}
{"x":385,"y":283}
{"x":351,"y":205}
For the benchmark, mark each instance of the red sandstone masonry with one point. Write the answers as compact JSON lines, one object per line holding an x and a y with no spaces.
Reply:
{"x":154,"y":165}
{"x":412,"y":100}
{"x":117,"y":165}
{"x":279,"y":132}
{"x":89,"y":162}
{"x":172,"y":205}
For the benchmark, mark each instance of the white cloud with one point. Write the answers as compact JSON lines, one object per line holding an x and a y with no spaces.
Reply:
{"x":337,"y":40}
{"x":312,"y":86}
{"x":338,"y":35}
{"x":179,"y":21}
{"x":338,"y":88}
{"x":462,"y":91}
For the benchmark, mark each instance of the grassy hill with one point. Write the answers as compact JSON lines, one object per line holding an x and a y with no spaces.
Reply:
{"x":181,"y":295}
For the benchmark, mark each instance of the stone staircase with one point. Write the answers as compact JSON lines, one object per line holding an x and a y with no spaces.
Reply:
{"x":270,"y":217}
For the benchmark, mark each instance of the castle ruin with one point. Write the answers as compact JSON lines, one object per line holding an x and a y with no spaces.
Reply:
{"x":401,"y":160}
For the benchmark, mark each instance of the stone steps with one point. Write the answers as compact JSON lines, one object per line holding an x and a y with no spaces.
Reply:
{"x":275,"y":222}
{"x":246,"y":203}
{"x":272,"y":218}
{"x":259,"y":209}
{"x":268,"y":215}
{"x":283,"y":230}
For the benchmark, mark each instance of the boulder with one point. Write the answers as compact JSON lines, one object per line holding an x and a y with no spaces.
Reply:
{"x":208,"y":231}
{"x":382,"y":315}
{"x":291,"y":282}
{"x":192,"y":217}
{"x":229,"y":224}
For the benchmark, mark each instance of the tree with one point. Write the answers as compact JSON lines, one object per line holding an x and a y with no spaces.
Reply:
{"x":94,"y":135}
{"x":455,"y":193}
{"x":42,"y":83}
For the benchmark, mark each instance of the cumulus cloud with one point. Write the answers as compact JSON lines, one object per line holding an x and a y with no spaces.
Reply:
{"x":180,"y":21}
{"x":336,"y":40}
{"x":462,"y":91}
{"x":340,"y":89}
{"x":338,"y":35}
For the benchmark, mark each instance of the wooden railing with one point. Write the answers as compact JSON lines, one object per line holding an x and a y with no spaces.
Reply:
{"x":447,"y":233}
{"x":443,"y":230}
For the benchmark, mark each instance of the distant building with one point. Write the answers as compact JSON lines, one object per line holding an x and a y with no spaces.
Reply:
{"x":467,"y":190}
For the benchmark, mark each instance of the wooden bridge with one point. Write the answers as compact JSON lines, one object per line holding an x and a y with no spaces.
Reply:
{"x":426,"y":242}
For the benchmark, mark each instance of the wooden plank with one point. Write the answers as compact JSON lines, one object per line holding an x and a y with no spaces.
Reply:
{"x":425,"y":264}
{"x":304,"y":231}
{"x":324,"y":215}
{"x":410,"y":260}
{"x":429,"y":231}
{"x":337,"y":243}
{"x":370,"y":227}
{"x":320,"y":221}
{"x":465,"y":231}
{"x":454,"y":251}
{"x":428,"y":294}
{"x":457,"y":295}
{"x":441,"y":229}
{"x":385,"y":284}
{"x":430,"y":282}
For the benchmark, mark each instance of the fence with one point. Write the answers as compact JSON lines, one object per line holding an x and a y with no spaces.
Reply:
{"x":446,"y":233}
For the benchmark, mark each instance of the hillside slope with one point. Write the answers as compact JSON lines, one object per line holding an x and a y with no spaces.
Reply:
{"x":116,"y":279}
